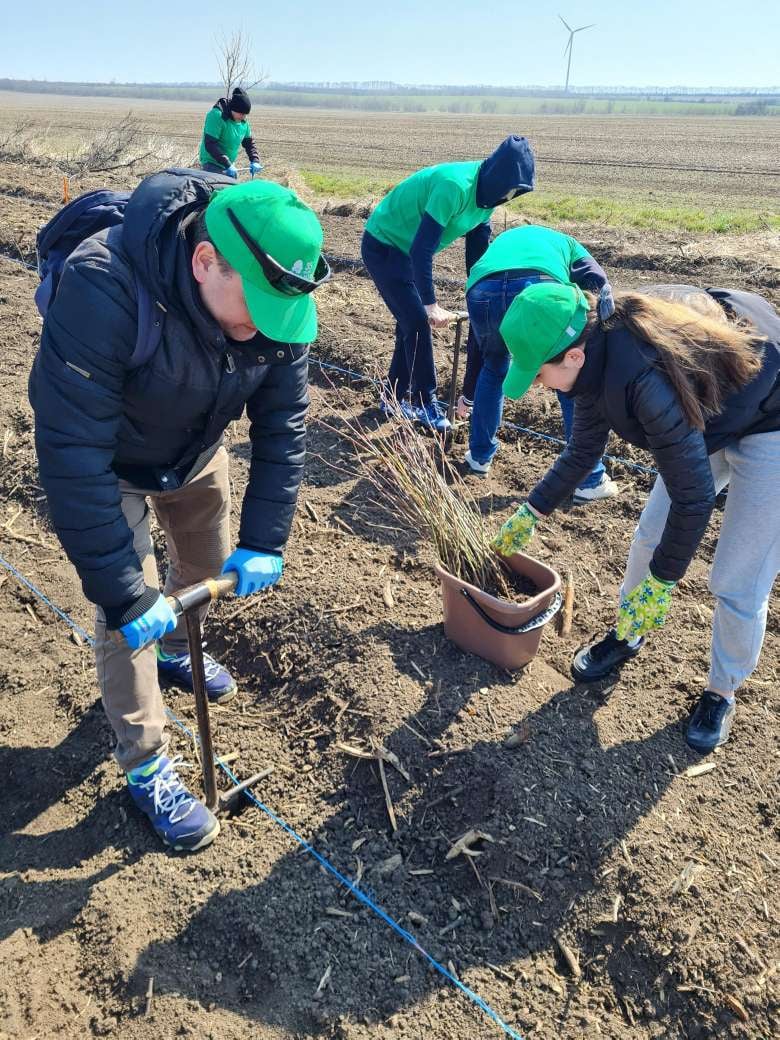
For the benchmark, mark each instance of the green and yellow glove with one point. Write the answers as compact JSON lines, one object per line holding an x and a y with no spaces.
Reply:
{"x":516,"y":532}
{"x":644,"y":608}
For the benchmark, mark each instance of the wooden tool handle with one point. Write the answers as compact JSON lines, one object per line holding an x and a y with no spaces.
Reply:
{"x":203,"y":592}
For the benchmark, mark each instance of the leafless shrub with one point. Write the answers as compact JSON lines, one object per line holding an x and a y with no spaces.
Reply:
{"x":415,"y":483}
{"x":235,"y":63}
{"x":17,"y":143}
{"x":115,"y":147}
{"x":124,"y":145}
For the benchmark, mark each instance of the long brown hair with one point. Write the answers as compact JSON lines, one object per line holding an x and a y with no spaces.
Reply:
{"x":704,"y":358}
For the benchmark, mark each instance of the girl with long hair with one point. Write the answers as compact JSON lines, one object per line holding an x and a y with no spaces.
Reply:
{"x":692,"y":376}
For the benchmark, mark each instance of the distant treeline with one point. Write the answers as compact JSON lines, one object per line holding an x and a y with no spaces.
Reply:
{"x":461,"y":100}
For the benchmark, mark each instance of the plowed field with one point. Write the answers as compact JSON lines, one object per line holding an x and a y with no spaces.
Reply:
{"x":594,"y":817}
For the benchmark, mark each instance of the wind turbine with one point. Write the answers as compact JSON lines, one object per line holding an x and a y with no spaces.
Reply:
{"x":569,"y":46}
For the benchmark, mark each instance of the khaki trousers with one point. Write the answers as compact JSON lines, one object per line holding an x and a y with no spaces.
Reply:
{"x":195,"y":520}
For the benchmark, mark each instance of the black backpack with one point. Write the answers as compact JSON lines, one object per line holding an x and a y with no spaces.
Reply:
{"x":83,"y":217}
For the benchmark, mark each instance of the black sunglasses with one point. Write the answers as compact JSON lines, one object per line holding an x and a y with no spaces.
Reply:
{"x":284,"y":281}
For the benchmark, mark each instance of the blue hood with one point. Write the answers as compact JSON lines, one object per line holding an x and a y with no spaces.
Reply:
{"x":510,"y":166}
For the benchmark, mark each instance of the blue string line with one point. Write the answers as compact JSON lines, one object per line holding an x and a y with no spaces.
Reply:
{"x":52,"y":606}
{"x":349,"y":885}
{"x":13,"y":260}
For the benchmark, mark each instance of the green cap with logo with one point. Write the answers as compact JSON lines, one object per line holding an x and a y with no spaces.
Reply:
{"x":542,"y":321}
{"x":276,"y":221}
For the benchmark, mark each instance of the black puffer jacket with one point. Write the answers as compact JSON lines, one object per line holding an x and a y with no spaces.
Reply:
{"x":621,"y":388}
{"x":156,"y":426}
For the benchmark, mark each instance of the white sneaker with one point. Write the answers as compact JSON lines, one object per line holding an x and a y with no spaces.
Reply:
{"x":606,"y":488}
{"x":483,"y":468}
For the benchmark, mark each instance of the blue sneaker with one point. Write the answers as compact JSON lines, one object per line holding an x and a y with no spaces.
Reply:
{"x":398,"y":409}
{"x":431,"y":416}
{"x":220,"y":684}
{"x":177,"y":817}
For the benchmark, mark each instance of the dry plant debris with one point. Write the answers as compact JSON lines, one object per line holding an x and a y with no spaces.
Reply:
{"x":462,"y":846}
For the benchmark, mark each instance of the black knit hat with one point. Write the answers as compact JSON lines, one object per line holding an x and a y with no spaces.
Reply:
{"x":239,"y":102}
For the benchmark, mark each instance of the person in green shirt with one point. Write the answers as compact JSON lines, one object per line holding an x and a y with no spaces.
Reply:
{"x":516,"y":259}
{"x":418,"y":217}
{"x":227,"y":129}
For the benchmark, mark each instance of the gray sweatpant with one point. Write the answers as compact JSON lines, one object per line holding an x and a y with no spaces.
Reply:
{"x":747,"y":557}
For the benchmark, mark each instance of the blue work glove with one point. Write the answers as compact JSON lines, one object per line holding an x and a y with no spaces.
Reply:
{"x":255,"y":570}
{"x":231,"y":171}
{"x":255,"y":167}
{"x":152,"y":625}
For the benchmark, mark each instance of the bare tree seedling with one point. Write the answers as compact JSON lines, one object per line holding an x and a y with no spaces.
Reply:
{"x":235,"y":63}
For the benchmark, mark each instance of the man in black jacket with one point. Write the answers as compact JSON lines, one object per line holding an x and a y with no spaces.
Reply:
{"x":231,"y":269}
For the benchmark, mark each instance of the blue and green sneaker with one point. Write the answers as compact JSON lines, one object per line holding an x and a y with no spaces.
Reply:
{"x":220,"y":684}
{"x":178,"y":818}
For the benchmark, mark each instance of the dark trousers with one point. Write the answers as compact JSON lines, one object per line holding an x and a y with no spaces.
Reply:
{"x":487,"y":362}
{"x":488,"y":301}
{"x":412,"y":370}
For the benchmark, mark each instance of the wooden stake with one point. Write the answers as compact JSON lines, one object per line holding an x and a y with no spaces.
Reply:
{"x":570,"y":957}
{"x":388,"y":799}
{"x":567,"y":614}
{"x":149,"y":991}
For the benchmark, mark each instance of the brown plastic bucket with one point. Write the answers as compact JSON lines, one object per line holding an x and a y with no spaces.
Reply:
{"x":506,"y":633}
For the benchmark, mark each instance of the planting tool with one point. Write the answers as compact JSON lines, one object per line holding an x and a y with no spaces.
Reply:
{"x":186,"y":603}
{"x":460,"y":318}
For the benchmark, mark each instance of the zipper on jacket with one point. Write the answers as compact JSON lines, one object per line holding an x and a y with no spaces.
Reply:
{"x":230,"y":364}
{"x":81,"y":371}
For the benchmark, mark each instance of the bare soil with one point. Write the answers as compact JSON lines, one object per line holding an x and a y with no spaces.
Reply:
{"x":662,"y":885}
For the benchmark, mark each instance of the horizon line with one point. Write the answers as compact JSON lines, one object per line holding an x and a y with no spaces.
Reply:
{"x":379,"y":85}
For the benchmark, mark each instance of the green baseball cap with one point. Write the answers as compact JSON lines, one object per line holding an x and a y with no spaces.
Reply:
{"x":542,"y":320}
{"x":260,"y":227}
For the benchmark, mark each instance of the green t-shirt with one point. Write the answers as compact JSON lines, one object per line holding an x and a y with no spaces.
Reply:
{"x":228,"y":132}
{"x":530,"y":247}
{"x":446,"y":192}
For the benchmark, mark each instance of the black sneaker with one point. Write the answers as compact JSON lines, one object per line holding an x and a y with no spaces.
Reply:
{"x":710,"y":724}
{"x":596,"y":661}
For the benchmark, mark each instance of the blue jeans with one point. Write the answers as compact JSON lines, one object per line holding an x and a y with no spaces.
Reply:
{"x":488,"y":302}
{"x":567,"y":408}
{"x":412,"y":370}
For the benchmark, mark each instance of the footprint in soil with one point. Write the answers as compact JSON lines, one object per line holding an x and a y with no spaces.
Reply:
{"x":556,"y":806}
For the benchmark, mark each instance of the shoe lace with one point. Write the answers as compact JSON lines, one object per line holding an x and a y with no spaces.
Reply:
{"x":169,"y":793}
{"x":211,"y":668}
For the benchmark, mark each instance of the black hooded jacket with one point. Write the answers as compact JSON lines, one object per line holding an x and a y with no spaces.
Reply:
{"x":622,"y":388}
{"x":97,"y":419}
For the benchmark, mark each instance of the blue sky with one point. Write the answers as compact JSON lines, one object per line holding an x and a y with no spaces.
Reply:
{"x":665,"y":43}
